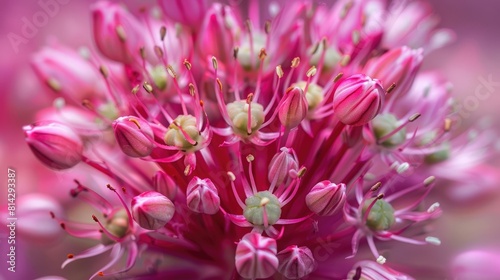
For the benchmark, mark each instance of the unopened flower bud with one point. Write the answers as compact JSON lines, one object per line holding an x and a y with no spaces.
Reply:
{"x":117,"y":33}
{"x":165,"y":185}
{"x":55,"y":145}
{"x":262,"y":209}
{"x":385,"y":124}
{"x":326,"y":198}
{"x":202,"y":196}
{"x":397,"y":66}
{"x":216,"y":33}
{"x":68,"y":74}
{"x":256,"y":256}
{"x":183,"y":133}
{"x":134,"y":136}
{"x":372,"y":270}
{"x":476,"y":264}
{"x":296,"y":262}
{"x":238,"y":113}
{"x":281,"y":165}
{"x":293,"y":107}
{"x":152,"y":210}
{"x":381,"y":216}
{"x":358,"y":99}
{"x":187,"y":12}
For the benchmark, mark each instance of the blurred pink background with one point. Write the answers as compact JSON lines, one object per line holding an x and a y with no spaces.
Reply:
{"x":473,"y":55}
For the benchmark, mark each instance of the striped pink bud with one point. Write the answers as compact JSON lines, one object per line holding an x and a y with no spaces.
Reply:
{"x":358,"y":99}
{"x":55,"y":145}
{"x":202,"y":196}
{"x":117,"y":33}
{"x":152,"y":210}
{"x":326,"y":198}
{"x":134,"y":136}
{"x":165,"y":185}
{"x":398,"y":66}
{"x":282,"y":165}
{"x":296,"y":262}
{"x":293,"y":107}
{"x":256,"y":256}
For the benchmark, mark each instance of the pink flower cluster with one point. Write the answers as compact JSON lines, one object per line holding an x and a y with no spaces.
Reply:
{"x":243,"y":140}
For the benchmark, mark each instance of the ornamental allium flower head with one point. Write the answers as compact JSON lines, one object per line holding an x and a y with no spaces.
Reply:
{"x":247,"y":141}
{"x":358,"y":99}
{"x":56,"y":145}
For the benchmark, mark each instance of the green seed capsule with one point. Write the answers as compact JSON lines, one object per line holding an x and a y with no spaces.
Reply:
{"x":255,"y":205}
{"x":381,"y":216}
{"x":383,"y":125}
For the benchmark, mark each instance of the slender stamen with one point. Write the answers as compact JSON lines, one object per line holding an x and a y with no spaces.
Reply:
{"x":263,"y":203}
{"x":219,"y":94}
{"x":250,"y":159}
{"x":129,"y":215}
{"x":279,"y":73}
{"x":91,"y":197}
{"x":321,"y":61}
{"x":232,"y":178}
{"x":171,"y":72}
{"x":105,"y":231}
{"x":248,"y":24}
{"x":262,"y":57}
{"x":396,"y":130}
{"x":369,"y":208}
{"x":249,"y":114}
{"x":295,"y":64}
{"x":185,"y":134}
{"x":391,"y":88}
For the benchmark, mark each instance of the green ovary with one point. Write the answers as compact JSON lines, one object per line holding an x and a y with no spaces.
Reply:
{"x":118,"y":225}
{"x":255,"y":205}
{"x":439,"y":156}
{"x":381,"y":216}
{"x":385,"y":124}
{"x":238,"y":113}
